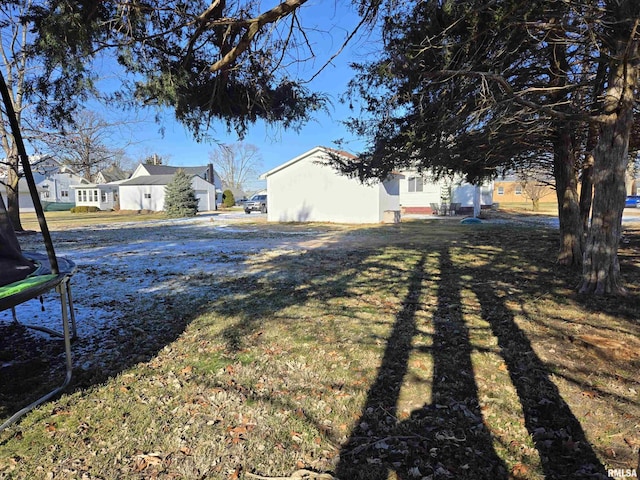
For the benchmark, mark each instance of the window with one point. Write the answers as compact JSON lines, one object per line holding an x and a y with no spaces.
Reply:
{"x":147,"y":195}
{"x":103,"y":197}
{"x":416,"y":184}
{"x":64,"y":193}
{"x":518,"y":190}
{"x":91,"y":195}
{"x":500,"y":190}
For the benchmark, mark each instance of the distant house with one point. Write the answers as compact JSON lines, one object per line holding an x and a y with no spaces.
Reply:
{"x":54,"y":184}
{"x":57,"y":187}
{"x":104,"y":192}
{"x":304,"y":189}
{"x":238,"y":193}
{"x":512,"y":189}
{"x":24,"y":196}
{"x":145,"y":190}
{"x":111,"y":174}
{"x":104,"y":197}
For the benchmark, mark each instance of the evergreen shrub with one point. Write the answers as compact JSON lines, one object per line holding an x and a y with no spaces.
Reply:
{"x":228,"y":200}
{"x":180,"y":197}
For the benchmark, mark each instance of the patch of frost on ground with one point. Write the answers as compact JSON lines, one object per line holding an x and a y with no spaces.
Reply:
{"x":120,"y":264}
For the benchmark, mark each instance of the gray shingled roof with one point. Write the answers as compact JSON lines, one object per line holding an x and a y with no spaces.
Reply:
{"x":150,"y":180}
{"x":168,"y":170}
{"x":114,"y":174}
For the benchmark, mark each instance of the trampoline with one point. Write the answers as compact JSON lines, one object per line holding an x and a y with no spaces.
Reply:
{"x":27,"y":275}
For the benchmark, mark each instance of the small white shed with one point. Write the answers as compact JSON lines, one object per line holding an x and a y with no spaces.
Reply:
{"x":306,"y":190}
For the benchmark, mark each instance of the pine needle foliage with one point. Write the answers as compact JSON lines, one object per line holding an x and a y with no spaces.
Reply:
{"x":228,"y":200}
{"x":180,"y":197}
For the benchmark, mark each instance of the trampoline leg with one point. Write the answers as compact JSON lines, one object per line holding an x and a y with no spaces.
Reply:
{"x":63,"y":291}
{"x":65,"y":296}
{"x":72,"y":314}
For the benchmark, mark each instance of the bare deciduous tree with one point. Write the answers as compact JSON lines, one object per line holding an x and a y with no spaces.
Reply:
{"x":534,"y":187}
{"x":88,"y":145}
{"x":237,"y":164}
{"x":13,"y":42}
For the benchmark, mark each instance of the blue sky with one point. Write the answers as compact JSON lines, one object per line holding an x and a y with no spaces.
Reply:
{"x":328,"y":24}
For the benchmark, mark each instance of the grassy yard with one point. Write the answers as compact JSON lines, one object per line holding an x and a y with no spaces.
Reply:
{"x":425,"y":350}
{"x":66,"y":219}
{"x":548,"y":208}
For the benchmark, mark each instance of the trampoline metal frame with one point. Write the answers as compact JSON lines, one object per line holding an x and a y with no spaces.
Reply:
{"x":63,"y":288}
{"x":61,"y":281}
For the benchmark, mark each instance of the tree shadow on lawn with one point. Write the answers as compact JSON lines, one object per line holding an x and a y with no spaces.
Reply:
{"x":445,"y":438}
{"x":448,"y":434}
{"x":558,"y":436}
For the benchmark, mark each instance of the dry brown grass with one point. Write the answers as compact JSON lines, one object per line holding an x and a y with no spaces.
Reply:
{"x":422,"y":350}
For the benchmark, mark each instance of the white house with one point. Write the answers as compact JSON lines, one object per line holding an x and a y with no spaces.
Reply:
{"x":24,"y":196}
{"x":421,"y":193}
{"x":54,"y":183}
{"x":305,"y":190}
{"x":111,"y":174}
{"x":145,"y":190}
{"x":57,"y":187}
{"x":104,"y":197}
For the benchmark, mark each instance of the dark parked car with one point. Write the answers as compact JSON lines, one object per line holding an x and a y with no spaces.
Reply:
{"x":632,"y":201}
{"x":257,"y":203}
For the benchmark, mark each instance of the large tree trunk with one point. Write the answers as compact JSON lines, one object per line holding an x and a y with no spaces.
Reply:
{"x":13,"y":200}
{"x":564,"y":157}
{"x":13,"y":169}
{"x":586,"y":186}
{"x":586,"y":190}
{"x":571,"y":230}
{"x":601,"y":269}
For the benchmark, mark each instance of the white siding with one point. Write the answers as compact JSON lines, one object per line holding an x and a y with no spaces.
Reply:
{"x":24,"y":197}
{"x":463,"y":193}
{"x":305,"y":191}
{"x":390,"y":195}
{"x":136,"y":197}
{"x":205,"y":193}
{"x":431,"y":192}
{"x":139,"y":171}
{"x":52,"y":187}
